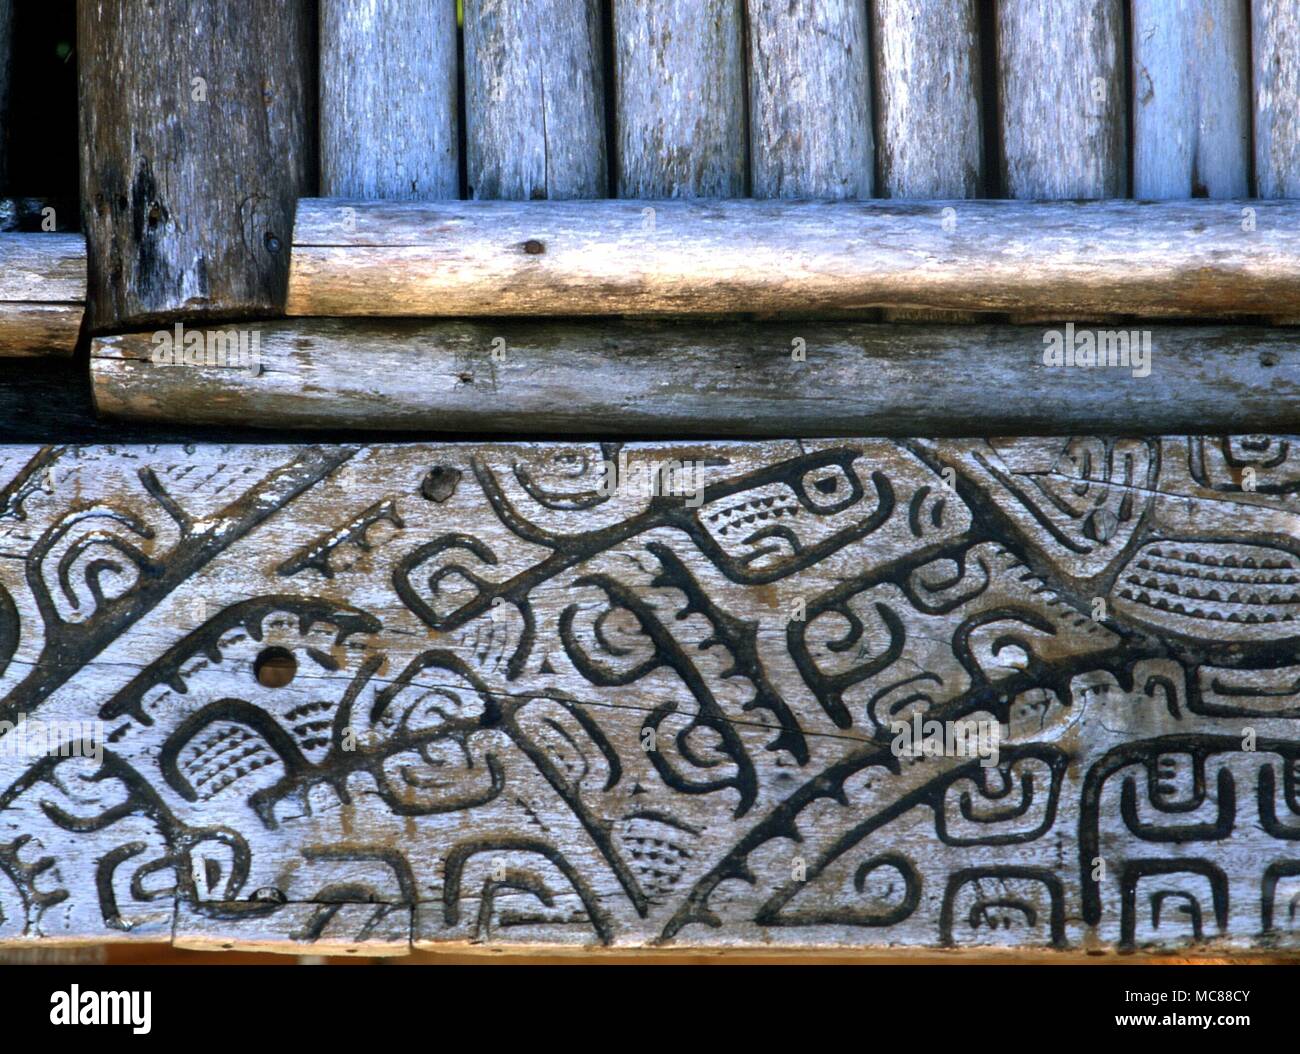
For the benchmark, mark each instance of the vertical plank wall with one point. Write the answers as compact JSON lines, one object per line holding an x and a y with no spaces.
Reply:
{"x":809,"y":99}
{"x":1275,"y":33}
{"x":197,"y":138}
{"x":535,"y":99}
{"x":1061,"y":77}
{"x":388,"y":99}
{"x":1191,"y":99}
{"x":927,"y":75}
{"x":680,"y":98}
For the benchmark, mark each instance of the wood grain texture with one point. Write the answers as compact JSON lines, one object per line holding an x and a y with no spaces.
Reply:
{"x":1062,"y":103}
{"x":1066,"y":260}
{"x":680,"y":98}
{"x":810,"y":111}
{"x":196,"y":139}
{"x":1191,"y":99}
{"x":927,"y":75}
{"x":360,"y":699}
{"x":535,"y":99}
{"x":641,"y":378}
{"x":1275,"y":28}
{"x":389,"y":121}
{"x":42,"y":293}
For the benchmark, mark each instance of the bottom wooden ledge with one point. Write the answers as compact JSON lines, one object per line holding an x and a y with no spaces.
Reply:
{"x":358,"y":700}
{"x":641,"y":378}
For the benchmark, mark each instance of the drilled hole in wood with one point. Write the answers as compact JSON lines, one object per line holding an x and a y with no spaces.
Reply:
{"x":275,"y":668}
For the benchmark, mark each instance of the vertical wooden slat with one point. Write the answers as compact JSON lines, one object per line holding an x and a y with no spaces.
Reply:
{"x":810,"y":99}
{"x":928,"y":85}
{"x":1062,"y":84}
{"x":388,"y":106}
{"x":534,"y":99}
{"x":1191,"y":99}
{"x":927,"y":73}
{"x":6,"y":19}
{"x":196,"y":142}
{"x":1275,"y":33}
{"x":681,"y":98}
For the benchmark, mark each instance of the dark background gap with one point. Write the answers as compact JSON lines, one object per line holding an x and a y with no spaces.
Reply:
{"x":42,"y":122}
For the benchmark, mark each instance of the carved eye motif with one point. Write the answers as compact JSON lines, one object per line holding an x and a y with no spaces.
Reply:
{"x":828,"y":489}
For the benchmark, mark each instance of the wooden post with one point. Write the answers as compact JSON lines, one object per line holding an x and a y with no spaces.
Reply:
{"x":1062,"y":85}
{"x":1191,"y":99}
{"x":535,"y":99}
{"x":1067,"y":260}
{"x":1275,"y":29}
{"x":388,"y":108}
{"x":196,"y":140}
{"x":809,"y":99}
{"x":617,"y":378}
{"x":928,"y":83}
{"x":681,"y":98}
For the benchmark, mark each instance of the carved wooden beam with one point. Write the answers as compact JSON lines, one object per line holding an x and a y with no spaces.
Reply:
{"x":1066,"y":260}
{"x":42,"y":293}
{"x":363,"y":698}
{"x":615,"y":378}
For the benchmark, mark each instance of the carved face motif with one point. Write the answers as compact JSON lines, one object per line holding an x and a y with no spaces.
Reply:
{"x":766,"y":529}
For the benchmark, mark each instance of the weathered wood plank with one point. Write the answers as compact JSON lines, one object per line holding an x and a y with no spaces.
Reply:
{"x":196,"y":137}
{"x":927,"y":75}
{"x":1065,"y":260}
{"x":39,"y":329}
{"x":1062,"y":99}
{"x":42,"y":267}
{"x":616,"y":378}
{"x":42,"y":293}
{"x":679,"y":67}
{"x":535,"y":99}
{"x":810,"y":116}
{"x":1191,"y":99}
{"x":389,"y":124}
{"x":356,"y":698}
{"x":1275,"y":28}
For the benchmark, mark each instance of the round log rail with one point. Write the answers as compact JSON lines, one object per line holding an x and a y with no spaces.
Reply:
{"x":620,"y":378}
{"x":42,"y":293}
{"x":1062,"y":260}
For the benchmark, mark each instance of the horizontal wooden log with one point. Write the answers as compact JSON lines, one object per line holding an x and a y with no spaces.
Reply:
{"x":1066,"y":259}
{"x":42,"y":293}
{"x":756,"y":379}
{"x":360,"y":699}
